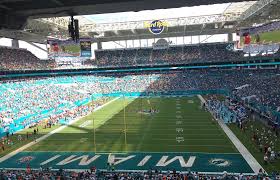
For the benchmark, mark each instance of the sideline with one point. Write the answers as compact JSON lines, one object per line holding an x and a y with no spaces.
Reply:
{"x":7,"y":156}
{"x":134,"y":171}
{"x":249,"y":158}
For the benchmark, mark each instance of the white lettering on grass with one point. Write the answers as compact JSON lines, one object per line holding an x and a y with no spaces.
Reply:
{"x":179,"y":130}
{"x":178,"y":122}
{"x":112,"y":159}
{"x":83,"y":160}
{"x":164,"y":162}
{"x":180,"y":139}
{"x":144,"y":160}
{"x":49,"y":160}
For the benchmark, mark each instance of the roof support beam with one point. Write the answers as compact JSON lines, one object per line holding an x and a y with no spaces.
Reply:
{"x":254,"y":9}
{"x":99,"y":6}
{"x":163,"y":35}
{"x":204,"y":40}
{"x":119,"y":44}
{"x":4,"y":7}
{"x":58,"y":2}
{"x":202,"y":27}
{"x":33,"y":44}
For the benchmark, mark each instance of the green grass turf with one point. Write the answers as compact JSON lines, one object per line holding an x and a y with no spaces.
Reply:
{"x":17,"y":144}
{"x":144,"y":133}
{"x":246,"y":139}
{"x":73,"y":48}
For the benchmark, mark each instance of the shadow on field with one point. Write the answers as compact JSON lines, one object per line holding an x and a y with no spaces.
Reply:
{"x":122,"y":131}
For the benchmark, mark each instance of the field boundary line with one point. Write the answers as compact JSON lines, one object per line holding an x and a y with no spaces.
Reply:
{"x":249,"y":158}
{"x":133,"y":152}
{"x":120,"y":170}
{"x":7,"y":156}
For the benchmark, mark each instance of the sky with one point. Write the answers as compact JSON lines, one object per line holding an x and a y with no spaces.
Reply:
{"x":22,"y":44}
{"x":159,"y":13}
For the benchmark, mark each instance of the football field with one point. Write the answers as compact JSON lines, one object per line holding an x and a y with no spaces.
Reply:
{"x":127,"y":125}
{"x":154,"y":131}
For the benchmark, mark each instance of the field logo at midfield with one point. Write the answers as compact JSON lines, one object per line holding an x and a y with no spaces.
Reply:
{"x":156,"y":27}
{"x":219,"y":162}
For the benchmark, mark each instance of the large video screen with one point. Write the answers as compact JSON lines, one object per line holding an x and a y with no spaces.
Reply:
{"x":69,"y":48}
{"x":267,"y":37}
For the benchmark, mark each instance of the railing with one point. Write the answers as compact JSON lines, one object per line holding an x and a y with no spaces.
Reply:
{"x":128,"y":69}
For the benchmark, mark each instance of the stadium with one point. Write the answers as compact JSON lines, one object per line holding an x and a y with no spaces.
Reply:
{"x":153,"y":89}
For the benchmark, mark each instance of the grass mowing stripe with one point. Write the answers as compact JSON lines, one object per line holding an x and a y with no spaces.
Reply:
{"x":148,"y":132}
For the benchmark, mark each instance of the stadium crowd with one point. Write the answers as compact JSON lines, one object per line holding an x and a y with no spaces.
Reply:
{"x":22,"y":59}
{"x":220,"y":52}
{"x":229,"y":113}
{"x":187,"y":54}
{"x":258,"y":86}
{"x":25,"y":102}
{"x":40,"y":122}
{"x":115,"y":175}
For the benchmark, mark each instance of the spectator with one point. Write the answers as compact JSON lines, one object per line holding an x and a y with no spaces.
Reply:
{"x":21,"y":59}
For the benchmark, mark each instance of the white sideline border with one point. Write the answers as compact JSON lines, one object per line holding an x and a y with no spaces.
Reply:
{"x":7,"y":156}
{"x":141,"y":171}
{"x":249,"y":158}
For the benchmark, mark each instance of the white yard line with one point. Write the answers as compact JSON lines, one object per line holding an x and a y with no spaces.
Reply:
{"x":253,"y":163}
{"x":49,"y":134}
